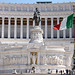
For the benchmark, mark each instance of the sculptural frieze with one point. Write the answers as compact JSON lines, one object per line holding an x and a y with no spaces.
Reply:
{"x":52,"y":60}
{"x":15,"y":60}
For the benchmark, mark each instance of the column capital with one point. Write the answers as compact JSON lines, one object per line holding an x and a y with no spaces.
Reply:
{"x":15,"y":17}
{"x":21,"y":18}
{"x":27,"y":17}
{"x":3,"y":17}
{"x":58,"y":17}
{"x":9,"y":17}
{"x":52,"y":17}
{"x":45,"y":18}
{"x":63,"y":17}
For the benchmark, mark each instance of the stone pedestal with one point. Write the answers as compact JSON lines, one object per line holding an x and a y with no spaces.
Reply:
{"x":36,"y":35}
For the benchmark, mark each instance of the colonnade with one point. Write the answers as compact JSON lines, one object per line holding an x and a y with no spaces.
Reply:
{"x":27,"y":27}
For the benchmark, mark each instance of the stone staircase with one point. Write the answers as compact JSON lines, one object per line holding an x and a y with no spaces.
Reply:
{"x":32,"y":74}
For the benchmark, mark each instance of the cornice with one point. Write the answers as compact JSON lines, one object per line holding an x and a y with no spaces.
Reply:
{"x":34,"y":4}
{"x":13,"y":51}
{"x":31,"y":13}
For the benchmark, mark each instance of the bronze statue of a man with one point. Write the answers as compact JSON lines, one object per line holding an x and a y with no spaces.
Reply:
{"x":36,"y":17}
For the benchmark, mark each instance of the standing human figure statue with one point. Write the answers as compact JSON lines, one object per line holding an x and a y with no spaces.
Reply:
{"x":36,"y":17}
{"x":34,"y":58}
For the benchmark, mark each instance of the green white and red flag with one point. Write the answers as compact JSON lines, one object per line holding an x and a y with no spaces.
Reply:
{"x":65,"y":24}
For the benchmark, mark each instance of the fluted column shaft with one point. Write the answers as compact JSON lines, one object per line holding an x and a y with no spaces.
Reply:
{"x":9,"y":26}
{"x":70,"y":33}
{"x":45,"y":28}
{"x":58,"y":30}
{"x":33,"y":23}
{"x":15,"y":28}
{"x":21,"y":34}
{"x":40,"y":23}
{"x":52,"y":27}
{"x":27,"y":28}
{"x":64,"y":32}
{"x":2,"y":27}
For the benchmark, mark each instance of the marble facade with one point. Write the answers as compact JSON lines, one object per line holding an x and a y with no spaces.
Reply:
{"x":23,"y":46}
{"x":41,"y":54}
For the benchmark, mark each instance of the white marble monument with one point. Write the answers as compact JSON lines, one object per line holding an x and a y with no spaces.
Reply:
{"x":22,"y":46}
{"x":40,"y":54}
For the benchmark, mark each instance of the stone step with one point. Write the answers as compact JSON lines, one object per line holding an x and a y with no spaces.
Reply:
{"x":33,"y":74}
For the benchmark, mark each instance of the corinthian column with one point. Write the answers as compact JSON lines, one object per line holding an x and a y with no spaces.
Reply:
{"x":40,"y":24}
{"x":70,"y":33}
{"x":21,"y":34}
{"x":2,"y":27}
{"x":58,"y":30}
{"x":9,"y":28}
{"x":15,"y":28}
{"x":27,"y":28}
{"x":64,"y":32}
{"x":45,"y":28}
{"x":52,"y":27}
{"x":33,"y":23}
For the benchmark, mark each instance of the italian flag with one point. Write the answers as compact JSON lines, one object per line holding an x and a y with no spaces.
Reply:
{"x":65,"y":24}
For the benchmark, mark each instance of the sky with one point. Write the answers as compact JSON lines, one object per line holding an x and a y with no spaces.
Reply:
{"x":34,"y":1}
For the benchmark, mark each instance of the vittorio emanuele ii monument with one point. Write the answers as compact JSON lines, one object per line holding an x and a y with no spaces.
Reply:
{"x":28,"y":43}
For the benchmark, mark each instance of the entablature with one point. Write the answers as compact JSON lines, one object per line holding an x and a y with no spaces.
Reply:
{"x":42,"y":14}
